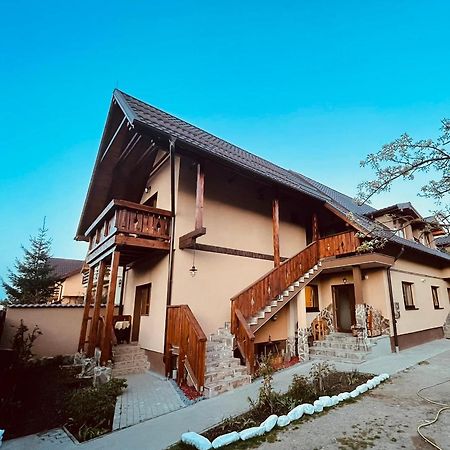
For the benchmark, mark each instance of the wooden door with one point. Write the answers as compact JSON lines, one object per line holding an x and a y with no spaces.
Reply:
{"x":141,"y":308}
{"x":344,"y":307}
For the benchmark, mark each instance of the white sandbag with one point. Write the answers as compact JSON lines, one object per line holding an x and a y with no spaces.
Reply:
{"x":296,"y":413}
{"x":318,"y":406}
{"x":362,"y":388}
{"x":283,"y":421}
{"x":354,"y":393}
{"x":341,"y":397}
{"x":2,"y":432}
{"x":326,"y":401}
{"x":252,"y":432}
{"x":196,"y":440}
{"x":270,"y":423}
{"x":346,"y":395}
{"x":384,"y":376}
{"x":308,"y":408}
{"x":370,"y":384}
{"x":225,"y":439}
{"x":334,"y":400}
{"x":375,"y":381}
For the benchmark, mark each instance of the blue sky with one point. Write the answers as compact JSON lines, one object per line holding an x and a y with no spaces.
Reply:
{"x":313,"y":86}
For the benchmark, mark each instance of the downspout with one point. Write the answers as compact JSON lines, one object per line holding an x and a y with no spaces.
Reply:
{"x":391,"y":299}
{"x":172,"y":222}
{"x":172,"y":238}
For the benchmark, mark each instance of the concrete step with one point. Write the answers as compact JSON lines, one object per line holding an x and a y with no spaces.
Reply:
{"x":223,"y":354}
{"x":139,"y":359}
{"x":219,"y":387}
{"x":126,"y":349}
{"x":129,"y":370}
{"x":224,"y":373}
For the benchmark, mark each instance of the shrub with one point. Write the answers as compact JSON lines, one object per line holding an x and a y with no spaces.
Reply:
{"x":319,"y":373}
{"x":23,"y":341}
{"x":91,"y":410}
{"x":301,"y":390}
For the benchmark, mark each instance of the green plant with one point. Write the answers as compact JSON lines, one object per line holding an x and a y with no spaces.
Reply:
{"x":319,"y":372}
{"x":301,"y":389}
{"x":91,"y":410}
{"x":23,"y":341}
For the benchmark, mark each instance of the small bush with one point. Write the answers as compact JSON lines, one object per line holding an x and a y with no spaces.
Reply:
{"x":91,"y":410}
{"x":23,"y":341}
{"x":301,"y":390}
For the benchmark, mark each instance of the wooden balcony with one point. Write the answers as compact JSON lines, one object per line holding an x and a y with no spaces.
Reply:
{"x":131,"y":228}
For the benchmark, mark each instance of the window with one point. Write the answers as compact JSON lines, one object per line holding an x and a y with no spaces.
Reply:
{"x":408,"y":295}
{"x":145,"y":294}
{"x":435,"y":295}
{"x":312,"y":298}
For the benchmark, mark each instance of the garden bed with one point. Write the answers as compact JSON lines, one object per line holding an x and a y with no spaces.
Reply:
{"x":323,"y":380}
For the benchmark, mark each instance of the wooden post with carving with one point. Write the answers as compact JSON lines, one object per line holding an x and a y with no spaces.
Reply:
{"x":87,"y":308}
{"x":97,"y":304}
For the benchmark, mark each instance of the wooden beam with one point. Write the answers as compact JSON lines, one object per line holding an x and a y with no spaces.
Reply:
{"x":119,"y":129}
{"x":87,"y":308}
{"x":276,"y":232}
{"x":357,"y":283}
{"x":188,"y":240}
{"x":107,"y":335}
{"x":96,"y":314}
{"x":315,"y":228}
{"x":199,"y":197}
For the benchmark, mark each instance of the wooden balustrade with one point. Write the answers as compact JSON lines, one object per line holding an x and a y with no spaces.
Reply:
{"x":260,"y":293}
{"x":245,"y":341}
{"x":125,"y":223}
{"x":185,"y":338}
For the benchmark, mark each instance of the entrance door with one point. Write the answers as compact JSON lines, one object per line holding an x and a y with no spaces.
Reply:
{"x":344,"y":307}
{"x":141,"y":308}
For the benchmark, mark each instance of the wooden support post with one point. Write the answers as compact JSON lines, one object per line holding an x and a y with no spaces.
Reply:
{"x":107,"y":335}
{"x":315,"y":228}
{"x":276,"y":232}
{"x":96,"y":314}
{"x":87,"y":308}
{"x":199,"y":198}
{"x":357,"y":283}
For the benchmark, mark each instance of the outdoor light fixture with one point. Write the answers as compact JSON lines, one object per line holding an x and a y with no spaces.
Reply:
{"x":344,"y":280}
{"x":193,"y":270}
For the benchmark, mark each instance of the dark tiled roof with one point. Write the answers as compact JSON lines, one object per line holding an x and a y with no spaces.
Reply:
{"x":64,"y":267}
{"x":154,"y":118}
{"x":44,"y":305}
{"x":210,"y":144}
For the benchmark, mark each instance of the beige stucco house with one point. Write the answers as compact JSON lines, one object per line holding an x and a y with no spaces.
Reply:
{"x":211,"y":236}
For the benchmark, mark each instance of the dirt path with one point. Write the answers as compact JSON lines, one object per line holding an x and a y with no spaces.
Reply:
{"x":385,"y":418}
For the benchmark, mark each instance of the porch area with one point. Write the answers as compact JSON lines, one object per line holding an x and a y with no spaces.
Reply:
{"x":122,"y":234}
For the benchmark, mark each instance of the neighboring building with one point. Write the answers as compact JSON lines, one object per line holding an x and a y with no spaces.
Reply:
{"x":443,"y":243}
{"x":208,"y":233}
{"x":69,"y":288}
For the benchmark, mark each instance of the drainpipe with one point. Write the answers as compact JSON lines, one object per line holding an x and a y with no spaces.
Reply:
{"x":172,"y":237}
{"x":391,"y":298}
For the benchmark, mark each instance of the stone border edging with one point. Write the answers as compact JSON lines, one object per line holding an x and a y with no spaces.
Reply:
{"x":202,"y":443}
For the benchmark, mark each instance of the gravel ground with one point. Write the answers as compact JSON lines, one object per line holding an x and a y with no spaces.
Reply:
{"x":385,"y":418}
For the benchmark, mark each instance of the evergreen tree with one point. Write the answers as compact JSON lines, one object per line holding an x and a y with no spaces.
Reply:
{"x":33,"y":279}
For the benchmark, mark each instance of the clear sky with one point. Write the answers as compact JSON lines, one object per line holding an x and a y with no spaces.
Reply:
{"x":311,"y":85}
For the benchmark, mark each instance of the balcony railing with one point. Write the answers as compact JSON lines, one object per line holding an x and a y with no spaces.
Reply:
{"x":124,"y":223}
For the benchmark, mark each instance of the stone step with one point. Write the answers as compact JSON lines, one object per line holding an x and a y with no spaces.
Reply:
{"x":224,"y":373}
{"x":136,"y":357}
{"x":219,"y":387}
{"x":126,"y":349}
{"x":354,"y":356}
{"x":223,"y":363}
{"x":223,"y":354}
{"x":129,"y":371}
{"x":130,"y":363}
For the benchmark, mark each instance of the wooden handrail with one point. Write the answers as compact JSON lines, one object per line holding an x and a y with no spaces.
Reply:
{"x":267,"y":288}
{"x":185,"y":334}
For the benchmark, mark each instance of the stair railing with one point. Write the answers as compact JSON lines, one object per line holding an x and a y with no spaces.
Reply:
{"x":185,"y":339}
{"x":263,"y":291}
{"x":245,"y":340}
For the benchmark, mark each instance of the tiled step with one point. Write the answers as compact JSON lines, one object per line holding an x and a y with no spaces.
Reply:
{"x":129,"y":370}
{"x":219,"y":387}
{"x":129,"y":359}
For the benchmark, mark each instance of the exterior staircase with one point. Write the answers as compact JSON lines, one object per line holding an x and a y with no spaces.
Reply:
{"x":266,"y":313}
{"x":129,"y":359}
{"x":223,"y":371}
{"x":341,"y":347}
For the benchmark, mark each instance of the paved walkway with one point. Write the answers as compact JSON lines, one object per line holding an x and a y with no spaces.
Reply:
{"x":147,"y":396}
{"x":165,"y":430}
